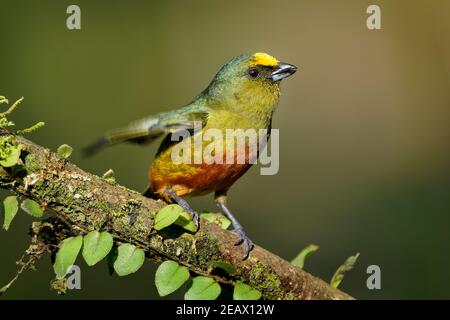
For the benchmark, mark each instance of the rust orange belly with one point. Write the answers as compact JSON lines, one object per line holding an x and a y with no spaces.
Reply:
{"x":195,"y":179}
{"x":203,"y":179}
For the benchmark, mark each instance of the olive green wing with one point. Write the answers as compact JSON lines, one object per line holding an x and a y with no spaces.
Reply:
{"x":148,"y":129}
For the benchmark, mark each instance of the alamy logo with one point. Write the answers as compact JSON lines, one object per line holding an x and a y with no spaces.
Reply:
{"x":74,"y":20}
{"x":229,"y":146}
{"x":374,"y":280}
{"x":374,"y":20}
{"x":74,"y":278}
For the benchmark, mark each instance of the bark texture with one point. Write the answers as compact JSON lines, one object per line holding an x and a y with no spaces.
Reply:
{"x":82,"y":202}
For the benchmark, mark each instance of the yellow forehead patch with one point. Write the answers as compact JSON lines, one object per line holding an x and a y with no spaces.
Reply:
{"x":263,"y":59}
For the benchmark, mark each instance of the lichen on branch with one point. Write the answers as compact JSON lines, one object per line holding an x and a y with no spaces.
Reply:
{"x":87,"y":202}
{"x":80,"y":202}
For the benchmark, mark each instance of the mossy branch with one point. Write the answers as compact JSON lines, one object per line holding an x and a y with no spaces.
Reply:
{"x":82,"y":202}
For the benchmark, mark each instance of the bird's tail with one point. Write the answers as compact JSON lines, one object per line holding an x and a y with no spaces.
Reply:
{"x":139,"y":132}
{"x":95,"y":147}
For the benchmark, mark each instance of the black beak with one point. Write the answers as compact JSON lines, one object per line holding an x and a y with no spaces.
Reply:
{"x":283,"y":70}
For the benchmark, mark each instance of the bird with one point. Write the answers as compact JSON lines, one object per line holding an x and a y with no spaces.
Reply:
{"x":242,"y":95}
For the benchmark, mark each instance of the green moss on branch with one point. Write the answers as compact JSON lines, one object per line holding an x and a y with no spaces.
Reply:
{"x":86,"y":202}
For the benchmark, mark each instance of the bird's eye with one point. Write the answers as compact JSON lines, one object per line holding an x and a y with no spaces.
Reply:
{"x":253,"y":73}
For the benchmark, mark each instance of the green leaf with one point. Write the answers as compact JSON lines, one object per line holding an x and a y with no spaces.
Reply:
{"x":96,"y":246}
{"x":11,"y":156}
{"x":64,"y":150}
{"x":203,"y":288}
{"x":185,"y":221}
{"x":66,"y":255}
{"x":299,"y":260}
{"x":167,"y":215}
{"x":31,"y":129}
{"x":10,"y":206}
{"x":3,"y":100}
{"x":109,"y":176}
{"x":245,"y":292}
{"x":218,"y":218}
{"x":169,"y":277}
{"x":129,"y":259}
{"x":347,"y":266}
{"x":12,"y":108}
{"x":32,"y":208}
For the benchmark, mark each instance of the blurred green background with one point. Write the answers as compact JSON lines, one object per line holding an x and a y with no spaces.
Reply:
{"x":364,"y":124}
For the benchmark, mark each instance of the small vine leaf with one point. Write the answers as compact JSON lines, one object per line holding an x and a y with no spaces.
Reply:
{"x":109,"y":176}
{"x":11,"y":156}
{"x":96,"y":246}
{"x":203,"y":288}
{"x":345,"y":267}
{"x":169,"y":277}
{"x":64,"y":151}
{"x":299,"y":260}
{"x":218,"y":218}
{"x":185,"y":221}
{"x":10,"y":208}
{"x":167,"y":215}
{"x":243,"y":291}
{"x":32,"y":208}
{"x":129,"y":259}
{"x":66,"y":255}
{"x":31,"y":129}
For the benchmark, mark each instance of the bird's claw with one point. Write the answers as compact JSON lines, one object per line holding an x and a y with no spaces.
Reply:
{"x":186,"y":207}
{"x":245,"y":241}
{"x":196,"y":218}
{"x":194,"y":215}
